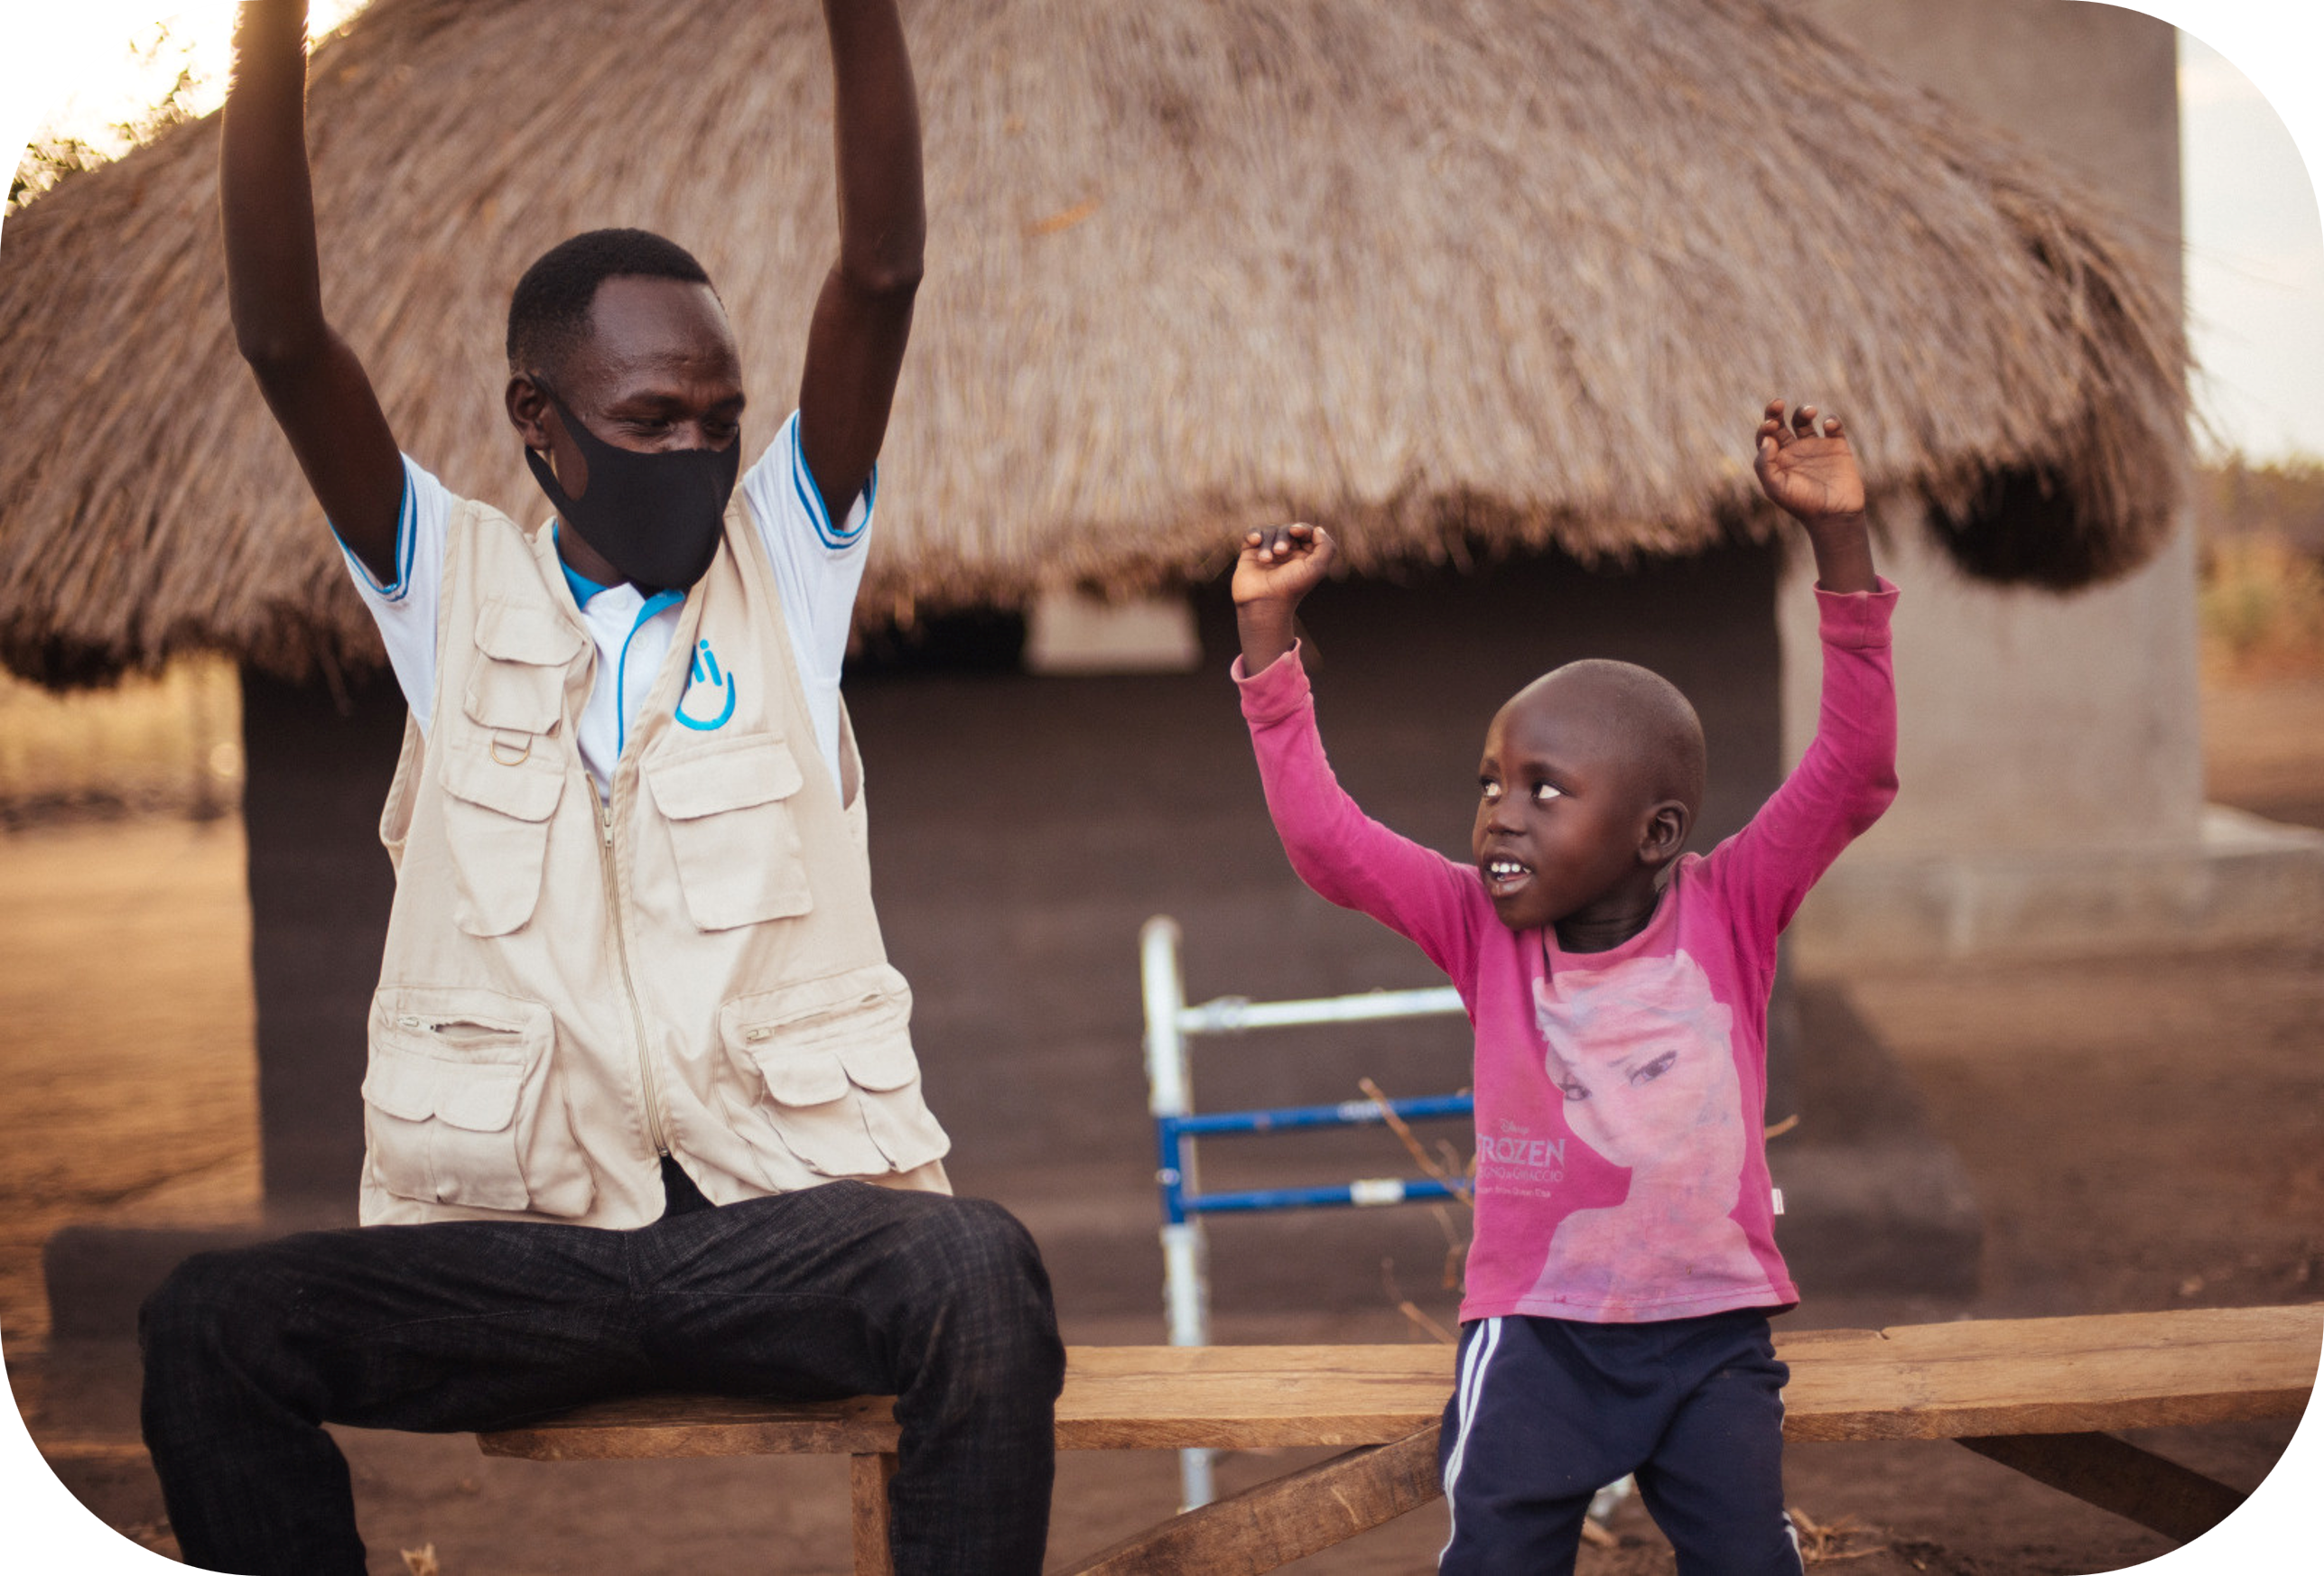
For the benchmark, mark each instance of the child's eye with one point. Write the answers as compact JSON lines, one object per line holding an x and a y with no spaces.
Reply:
{"x":1490,"y":789}
{"x":1654,"y":1069}
{"x":1543,"y":792}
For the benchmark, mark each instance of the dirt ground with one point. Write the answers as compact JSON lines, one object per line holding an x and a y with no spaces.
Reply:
{"x":2141,"y":1133}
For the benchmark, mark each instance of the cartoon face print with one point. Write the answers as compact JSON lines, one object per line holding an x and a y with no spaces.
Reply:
{"x":1642,"y":1054}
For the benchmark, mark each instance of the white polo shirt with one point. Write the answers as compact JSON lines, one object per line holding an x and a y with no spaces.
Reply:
{"x":817,"y":568}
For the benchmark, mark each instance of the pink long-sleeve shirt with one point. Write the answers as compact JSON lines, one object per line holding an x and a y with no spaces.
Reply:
{"x":1622,"y":1171}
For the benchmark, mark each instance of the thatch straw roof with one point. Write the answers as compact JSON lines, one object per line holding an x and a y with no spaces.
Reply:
{"x":1466,"y":276}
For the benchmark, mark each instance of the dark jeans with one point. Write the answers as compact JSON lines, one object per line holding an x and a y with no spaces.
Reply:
{"x":840,"y":1290}
{"x":1549,"y":1410}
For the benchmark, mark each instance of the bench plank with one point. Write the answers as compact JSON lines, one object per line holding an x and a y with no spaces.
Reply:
{"x":2051,"y":1376}
{"x":1284,"y":1519}
{"x":868,"y":1477}
{"x":2113,"y":1474}
{"x":702,"y":1425}
{"x":1922,"y":1381}
{"x":1116,"y":1397}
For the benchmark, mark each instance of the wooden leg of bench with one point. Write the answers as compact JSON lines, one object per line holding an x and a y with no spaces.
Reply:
{"x":2116,"y":1475}
{"x":1285,"y":1519}
{"x":868,"y":1477}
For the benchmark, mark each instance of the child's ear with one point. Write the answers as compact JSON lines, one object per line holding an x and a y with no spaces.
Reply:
{"x":1666,"y":833}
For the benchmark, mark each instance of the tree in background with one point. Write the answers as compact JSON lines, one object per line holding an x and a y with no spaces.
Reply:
{"x":2262,"y":530}
{"x":57,"y":157}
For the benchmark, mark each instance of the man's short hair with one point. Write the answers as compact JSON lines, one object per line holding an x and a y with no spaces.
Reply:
{"x":548,"y":315}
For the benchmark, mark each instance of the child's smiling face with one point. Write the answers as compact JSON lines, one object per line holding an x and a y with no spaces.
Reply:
{"x":1558,"y":814}
{"x":1589,"y":781}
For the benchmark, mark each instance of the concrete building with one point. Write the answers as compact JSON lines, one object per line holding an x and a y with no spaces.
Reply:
{"x":2053,"y":760}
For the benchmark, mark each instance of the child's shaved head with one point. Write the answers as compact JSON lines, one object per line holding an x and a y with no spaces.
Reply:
{"x":1590,"y":776}
{"x":1637,"y":714}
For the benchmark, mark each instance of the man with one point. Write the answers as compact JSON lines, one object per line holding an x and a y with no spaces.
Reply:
{"x":642,"y":1110}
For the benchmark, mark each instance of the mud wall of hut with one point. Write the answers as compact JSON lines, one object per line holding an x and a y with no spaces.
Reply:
{"x":1023,"y":828}
{"x":319,"y":759}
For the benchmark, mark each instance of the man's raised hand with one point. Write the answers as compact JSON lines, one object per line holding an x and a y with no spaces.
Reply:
{"x":1278,"y":565}
{"x":313,"y":383}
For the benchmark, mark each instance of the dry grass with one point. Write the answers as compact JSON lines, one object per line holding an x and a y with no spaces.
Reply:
{"x":2263,"y":609}
{"x":126,"y":1026}
{"x":2277,"y":497}
{"x":1508,"y":273}
{"x":165,"y":745}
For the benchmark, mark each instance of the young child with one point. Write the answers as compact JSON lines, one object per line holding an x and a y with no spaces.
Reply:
{"x":1624,"y":1264}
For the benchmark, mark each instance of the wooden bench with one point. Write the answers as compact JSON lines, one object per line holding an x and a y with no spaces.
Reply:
{"x":2039,"y":1394}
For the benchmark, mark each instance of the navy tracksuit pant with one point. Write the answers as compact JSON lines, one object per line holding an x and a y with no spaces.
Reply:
{"x":1547,"y":1411}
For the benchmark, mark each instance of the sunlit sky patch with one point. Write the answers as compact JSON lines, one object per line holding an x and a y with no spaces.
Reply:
{"x":2255,"y":248}
{"x":110,"y":60}
{"x":2253,"y":170}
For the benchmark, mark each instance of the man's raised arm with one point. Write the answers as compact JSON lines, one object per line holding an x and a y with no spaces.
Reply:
{"x":312,"y":382}
{"x":855,"y":346}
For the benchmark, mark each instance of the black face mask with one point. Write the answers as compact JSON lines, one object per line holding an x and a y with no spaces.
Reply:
{"x":655,"y":517}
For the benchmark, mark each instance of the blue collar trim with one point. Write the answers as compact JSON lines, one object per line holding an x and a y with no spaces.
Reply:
{"x":581,"y":585}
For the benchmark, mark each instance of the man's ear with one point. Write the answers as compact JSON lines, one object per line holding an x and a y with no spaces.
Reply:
{"x":529,"y":411}
{"x":1667,"y":825}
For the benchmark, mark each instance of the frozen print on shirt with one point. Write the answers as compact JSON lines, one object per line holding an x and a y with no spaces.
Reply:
{"x":1643,"y":1055}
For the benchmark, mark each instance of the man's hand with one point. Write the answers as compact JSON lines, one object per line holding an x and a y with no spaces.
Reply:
{"x":1278,"y":567}
{"x":1812,"y":476}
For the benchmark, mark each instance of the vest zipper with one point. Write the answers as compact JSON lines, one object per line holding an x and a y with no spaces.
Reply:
{"x":629,"y":985}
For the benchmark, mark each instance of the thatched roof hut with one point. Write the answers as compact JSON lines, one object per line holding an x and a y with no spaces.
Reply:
{"x":1465,"y":277}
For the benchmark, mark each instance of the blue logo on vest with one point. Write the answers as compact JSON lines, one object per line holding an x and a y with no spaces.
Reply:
{"x":706,"y":672}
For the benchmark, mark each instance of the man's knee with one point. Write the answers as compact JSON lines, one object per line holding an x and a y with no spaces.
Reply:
{"x":209,"y":1302}
{"x":987,"y":1271}
{"x":984,"y":1251}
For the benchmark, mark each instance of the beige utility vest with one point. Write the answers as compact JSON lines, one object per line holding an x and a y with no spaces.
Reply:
{"x":574,"y":986}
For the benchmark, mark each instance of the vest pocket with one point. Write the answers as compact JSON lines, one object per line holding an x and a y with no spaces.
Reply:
{"x":455,"y":1106}
{"x":732,"y":832}
{"x":835,"y":1058}
{"x":520,"y":684}
{"x":500,"y":790}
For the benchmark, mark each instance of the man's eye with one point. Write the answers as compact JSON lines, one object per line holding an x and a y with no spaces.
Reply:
{"x":1543,"y":792}
{"x":1654,"y":1069}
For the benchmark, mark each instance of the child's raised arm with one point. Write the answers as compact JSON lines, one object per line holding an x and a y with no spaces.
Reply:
{"x":1814,"y":478}
{"x":1343,"y":855}
{"x":1278,"y":567}
{"x":1848,"y":775}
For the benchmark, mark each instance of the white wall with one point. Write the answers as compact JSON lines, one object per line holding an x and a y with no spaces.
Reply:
{"x":2030,"y":720}
{"x":2027,"y":720}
